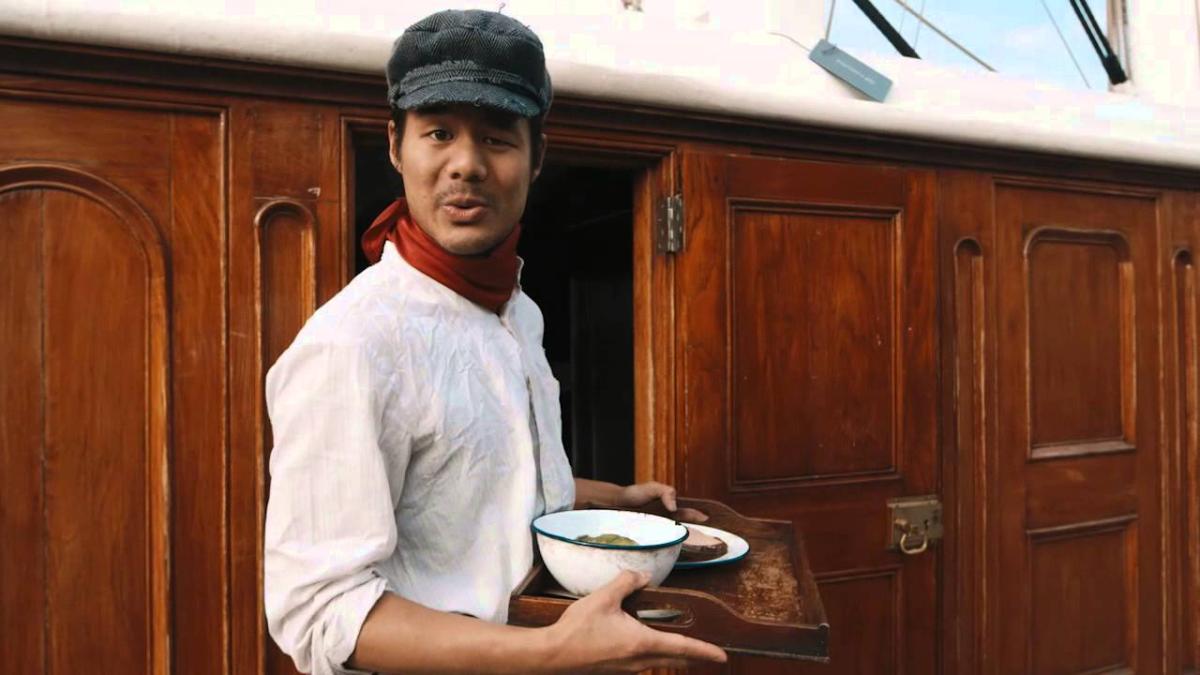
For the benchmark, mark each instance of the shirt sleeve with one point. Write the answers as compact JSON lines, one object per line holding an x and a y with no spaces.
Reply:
{"x":329,"y":515}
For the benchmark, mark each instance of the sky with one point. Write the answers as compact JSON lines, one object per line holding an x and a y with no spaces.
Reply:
{"x":1013,"y":36}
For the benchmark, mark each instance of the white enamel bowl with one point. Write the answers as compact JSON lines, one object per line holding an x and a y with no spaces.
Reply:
{"x":582,"y":567}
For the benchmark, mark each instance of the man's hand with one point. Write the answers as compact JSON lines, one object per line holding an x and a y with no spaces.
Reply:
{"x":641,"y":494}
{"x":595,"y":635}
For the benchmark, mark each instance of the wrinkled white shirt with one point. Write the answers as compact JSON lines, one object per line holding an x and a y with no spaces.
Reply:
{"x":410,"y":425}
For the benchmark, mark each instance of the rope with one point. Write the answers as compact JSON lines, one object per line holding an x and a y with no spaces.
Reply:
{"x":942,"y":33}
{"x":1064,"y":43}
{"x":917,"y":39}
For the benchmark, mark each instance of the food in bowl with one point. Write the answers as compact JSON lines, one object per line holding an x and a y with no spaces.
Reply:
{"x":583,"y":566}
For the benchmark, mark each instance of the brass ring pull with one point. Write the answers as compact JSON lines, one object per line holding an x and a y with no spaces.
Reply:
{"x":908,"y":549}
{"x":916,"y":522}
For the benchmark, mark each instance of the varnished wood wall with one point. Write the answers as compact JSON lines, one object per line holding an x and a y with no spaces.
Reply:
{"x":1071,"y":467}
{"x":852,"y":319}
{"x":113,"y":393}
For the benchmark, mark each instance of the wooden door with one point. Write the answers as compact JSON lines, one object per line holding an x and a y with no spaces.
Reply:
{"x":807,"y":376}
{"x":112,"y":424}
{"x":1076,"y":568}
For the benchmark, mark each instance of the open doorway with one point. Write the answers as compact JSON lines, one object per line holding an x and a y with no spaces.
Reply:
{"x":577,"y":243}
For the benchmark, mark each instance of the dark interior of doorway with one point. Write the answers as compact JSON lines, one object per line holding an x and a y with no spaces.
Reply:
{"x":577,"y":243}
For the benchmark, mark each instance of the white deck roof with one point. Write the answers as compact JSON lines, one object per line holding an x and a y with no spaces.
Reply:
{"x":636,"y":58}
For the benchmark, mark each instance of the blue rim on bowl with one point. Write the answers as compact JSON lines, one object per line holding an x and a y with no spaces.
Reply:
{"x":624,"y":547}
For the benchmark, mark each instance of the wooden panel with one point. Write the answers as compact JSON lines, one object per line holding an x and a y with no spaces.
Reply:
{"x":285,"y":142}
{"x":247,"y":496}
{"x":812,"y":372}
{"x":1180,"y":212}
{"x":285,"y":161}
{"x":1185,"y":422}
{"x":288,"y":254}
{"x":807,"y":300}
{"x":1183,"y":210}
{"x":199,"y":455}
{"x":1083,"y":598}
{"x":97,"y":452}
{"x":966,"y":481}
{"x":1069,"y":346}
{"x":286,"y":297}
{"x":966,"y":246}
{"x":869,"y":610}
{"x":287,"y":293}
{"x":77,"y":134}
{"x":22,"y":424}
{"x":152,"y":188}
{"x":1077,"y":316}
{"x":1054,"y":496}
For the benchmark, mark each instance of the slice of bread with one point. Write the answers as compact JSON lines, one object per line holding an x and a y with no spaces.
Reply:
{"x":699,"y":547}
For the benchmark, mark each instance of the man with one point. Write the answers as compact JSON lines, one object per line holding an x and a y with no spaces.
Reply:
{"x":416,"y":422}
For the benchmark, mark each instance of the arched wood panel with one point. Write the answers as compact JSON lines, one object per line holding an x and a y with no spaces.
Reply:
{"x":90,"y":424}
{"x":966,"y":415}
{"x":287,"y":288}
{"x":1188,"y":453}
{"x":287,"y":292}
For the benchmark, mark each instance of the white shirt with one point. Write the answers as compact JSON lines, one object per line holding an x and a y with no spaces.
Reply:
{"x":405,"y":459}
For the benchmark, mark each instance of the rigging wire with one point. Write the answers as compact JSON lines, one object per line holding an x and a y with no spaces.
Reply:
{"x":917,"y":39}
{"x":944,"y":36}
{"x":1064,"y":43}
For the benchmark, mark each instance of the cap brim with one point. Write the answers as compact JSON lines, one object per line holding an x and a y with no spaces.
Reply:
{"x":481,"y":94}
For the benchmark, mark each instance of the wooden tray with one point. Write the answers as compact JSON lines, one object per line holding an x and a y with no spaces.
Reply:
{"x":765,"y":604}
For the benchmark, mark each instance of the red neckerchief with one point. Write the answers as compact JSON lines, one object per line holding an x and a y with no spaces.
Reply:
{"x":486,"y":280}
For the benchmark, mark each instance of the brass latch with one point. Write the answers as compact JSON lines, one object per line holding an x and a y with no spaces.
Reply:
{"x":916,"y":521}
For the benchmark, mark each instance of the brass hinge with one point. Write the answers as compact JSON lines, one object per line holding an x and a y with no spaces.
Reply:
{"x":668,"y":231}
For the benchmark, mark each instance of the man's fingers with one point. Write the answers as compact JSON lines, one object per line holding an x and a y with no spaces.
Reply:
{"x":625,"y":583}
{"x":668,"y":498}
{"x":689,"y":515}
{"x":700,"y":650}
{"x":674,"y":645}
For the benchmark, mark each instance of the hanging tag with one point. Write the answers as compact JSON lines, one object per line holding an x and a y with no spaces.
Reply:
{"x":850,"y":70}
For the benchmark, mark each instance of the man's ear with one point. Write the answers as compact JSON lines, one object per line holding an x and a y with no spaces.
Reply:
{"x":393,"y":145}
{"x":541,"y":160}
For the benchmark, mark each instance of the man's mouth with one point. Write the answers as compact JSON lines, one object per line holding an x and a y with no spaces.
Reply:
{"x":465,"y":210}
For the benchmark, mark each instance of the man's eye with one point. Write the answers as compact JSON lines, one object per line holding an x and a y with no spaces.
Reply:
{"x":439,"y":135}
{"x":495,"y":140}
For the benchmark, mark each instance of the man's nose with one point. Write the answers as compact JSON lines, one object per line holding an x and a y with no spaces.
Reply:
{"x":467,"y":162}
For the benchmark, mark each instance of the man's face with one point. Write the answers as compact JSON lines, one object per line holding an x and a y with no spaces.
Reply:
{"x":466,"y":174}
